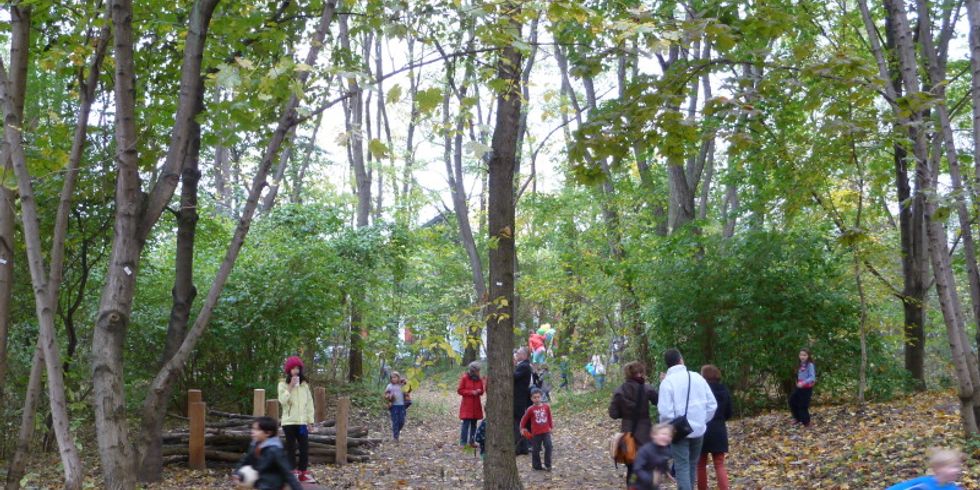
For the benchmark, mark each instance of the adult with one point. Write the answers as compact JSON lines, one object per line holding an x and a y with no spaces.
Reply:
{"x":716,"y":435}
{"x":628,"y":404}
{"x":799,"y":401}
{"x":471,"y":387}
{"x":522,"y":396}
{"x":683,"y":392}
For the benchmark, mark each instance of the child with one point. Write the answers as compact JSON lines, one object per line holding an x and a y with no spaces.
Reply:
{"x":481,"y":437}
{"x":539,"y":416}
{"x":265,"y":456}
{"x":536,"y":342}
{"x":395,"y":396}
{"x":297,"y":416}
{"x":799,"y":401}
{"x":565,"y":372}
{"x":652,"y":464}
{"x":545,"y":376}
{"x":945,"y":465}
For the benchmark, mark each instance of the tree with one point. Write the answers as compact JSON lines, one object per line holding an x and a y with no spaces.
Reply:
{"x":500,"y":470}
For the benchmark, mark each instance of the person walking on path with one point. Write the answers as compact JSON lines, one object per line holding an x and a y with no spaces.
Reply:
{"x":598,"y":371}
{"x":471,"y":387}
{"x":799,"y":401}
{"x":652,"y":464}
{"x":522,"y":395}
{"x":631,"y":403}
{"x":684,"y":393}
{"x":297,"y":417}
{"x":716,"y":435}
{"x":395,"y":396}
{"x":538,"y":416}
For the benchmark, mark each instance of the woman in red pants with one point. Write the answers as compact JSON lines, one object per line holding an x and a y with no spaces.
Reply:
{"x":716,"y":435}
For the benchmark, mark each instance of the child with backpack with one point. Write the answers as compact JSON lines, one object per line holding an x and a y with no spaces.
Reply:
{"x":538,"y":416}
{"x":264,"y":465}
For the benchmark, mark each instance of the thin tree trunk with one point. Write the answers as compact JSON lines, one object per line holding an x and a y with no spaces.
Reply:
{"x":154,"y":405}
{"x":355,"y":360}
{"x":183,"y":293}
{"x":18,"y":464}
{"x":280,"y":172}
{"x":973,"y":14}
{"x":307,"y":158}
{"x":500,"y":469}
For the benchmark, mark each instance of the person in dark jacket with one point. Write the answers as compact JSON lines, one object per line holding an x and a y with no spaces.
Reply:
{"x":267,"y":457}
{"x":652,"y":464}
{"x":522,"y":396}
{"x":716,"y":435}
{"x":625,"y":405}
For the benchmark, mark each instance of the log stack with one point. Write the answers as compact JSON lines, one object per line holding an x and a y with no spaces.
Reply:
{"x":228,"y":435}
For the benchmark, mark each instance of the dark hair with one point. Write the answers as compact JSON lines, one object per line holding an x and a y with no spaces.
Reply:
{"x":809,"y":356}
{"x":302,"y":375}
{"x":634,"y":369}
{"x":536,"y":391}
{"x":711,"y":373}
{"x":268,"y":425}
{"x":672,"y":357}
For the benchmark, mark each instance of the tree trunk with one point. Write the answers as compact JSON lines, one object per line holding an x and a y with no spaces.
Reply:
{"x":973,"y":14}
{"x":184,"y":292}
{"x":912,"y":231}
{"x":280,"y":172}
{"x":154,"y":405}
{"x":297,"y":196}
{"x":500,"y":470}
{"x":18,"y":464}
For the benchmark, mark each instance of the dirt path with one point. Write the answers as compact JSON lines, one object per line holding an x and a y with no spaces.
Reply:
{"x":428,"y":455}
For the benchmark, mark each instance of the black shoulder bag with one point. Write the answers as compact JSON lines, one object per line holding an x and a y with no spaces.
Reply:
{"x":682,"y":428}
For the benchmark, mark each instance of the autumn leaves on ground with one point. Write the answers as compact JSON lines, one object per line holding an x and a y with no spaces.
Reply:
{"x":845,"y":448}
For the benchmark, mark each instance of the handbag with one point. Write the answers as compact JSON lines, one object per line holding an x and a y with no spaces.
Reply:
{"x":623,"y":444}
{"x":682,"y":428}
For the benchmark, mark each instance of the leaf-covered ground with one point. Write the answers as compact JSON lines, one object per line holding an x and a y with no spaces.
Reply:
{"x":845,"y":448}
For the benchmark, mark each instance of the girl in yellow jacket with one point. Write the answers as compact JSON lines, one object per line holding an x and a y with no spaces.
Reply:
{"x":297,"y":416}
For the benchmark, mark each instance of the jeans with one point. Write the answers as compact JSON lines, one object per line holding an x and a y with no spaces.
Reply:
{"x":686,"y":454}
{"x":294,"y":436}
{"x":721,"y":475}
{"x":799,"y":404}
{"x":397,"y":419}
{"x":467,"y":433}
{"x":536,"y":443}
{"x":600,"y":379}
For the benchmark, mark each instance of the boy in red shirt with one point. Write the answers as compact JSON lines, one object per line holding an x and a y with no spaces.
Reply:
{"x":539,"y":417}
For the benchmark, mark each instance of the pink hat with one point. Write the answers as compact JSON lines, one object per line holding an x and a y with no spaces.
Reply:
{"x":292,"y":362}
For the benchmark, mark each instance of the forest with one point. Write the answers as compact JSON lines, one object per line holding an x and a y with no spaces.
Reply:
{"x":194,"y":190}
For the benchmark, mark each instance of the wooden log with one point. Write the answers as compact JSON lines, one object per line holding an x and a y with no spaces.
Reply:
{"x":230,"y":415}
{"x":195,"y":446}
{"x":272,"y":409}
{"x":319,"y":404}
{"x":343,"y":412}
{"x":193,"y":396}
{"x":258,"y":402}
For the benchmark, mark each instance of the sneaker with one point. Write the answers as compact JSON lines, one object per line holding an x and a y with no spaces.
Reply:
{"x":306,"y":477}
{"x":537,"y":468}
{"x":548,"y":469}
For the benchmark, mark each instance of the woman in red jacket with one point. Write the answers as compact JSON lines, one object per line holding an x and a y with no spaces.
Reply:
{"x":471,"y":388}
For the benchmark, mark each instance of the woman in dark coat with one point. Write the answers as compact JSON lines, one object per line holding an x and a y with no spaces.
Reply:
{"x":716,"y":435}
{"x":522,"y":396}
{"x":625,"y":405}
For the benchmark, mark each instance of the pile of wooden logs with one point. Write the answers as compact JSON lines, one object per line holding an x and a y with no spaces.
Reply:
{"x":226,"y":438}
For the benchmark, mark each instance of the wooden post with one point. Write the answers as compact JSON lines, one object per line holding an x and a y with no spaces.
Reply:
{"x":272,"y":409}
{"x":193,"y":396}
{"x":320,"y":404}
{"x":258,"y":402}
{"x":343,"y":411}
{"x":196,"y":442}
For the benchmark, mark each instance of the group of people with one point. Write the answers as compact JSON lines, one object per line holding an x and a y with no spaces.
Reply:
{"x":693,"y":408}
